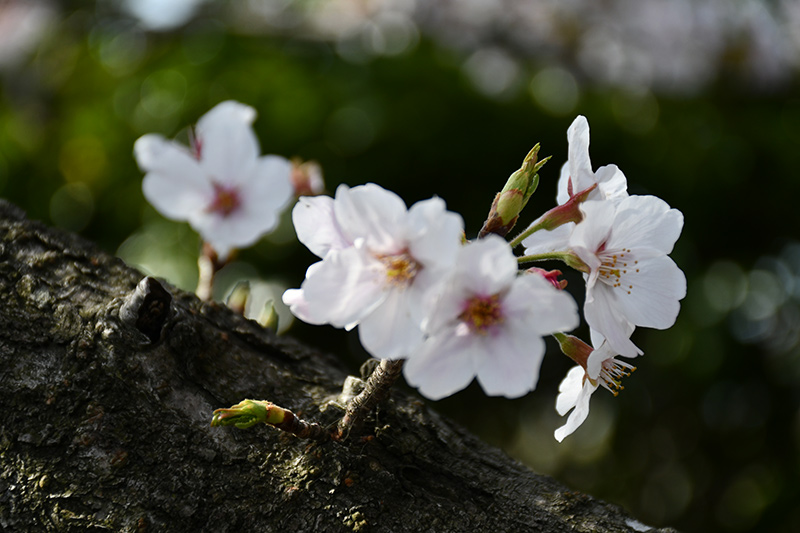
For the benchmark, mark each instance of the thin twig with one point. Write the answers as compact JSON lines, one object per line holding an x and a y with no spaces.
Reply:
{"x":376,"y":389}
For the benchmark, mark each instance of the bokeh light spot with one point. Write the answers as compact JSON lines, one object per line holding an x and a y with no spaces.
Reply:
{"x":725,"y":286}
{"x":555,"y":90}
{"x":492,"y":71}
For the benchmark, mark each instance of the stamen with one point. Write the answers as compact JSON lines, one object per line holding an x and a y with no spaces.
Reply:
{"x":401,"y":269}
{"x":611,"y":374}
{"x":481,"y":313}
{"x":614,"y":265}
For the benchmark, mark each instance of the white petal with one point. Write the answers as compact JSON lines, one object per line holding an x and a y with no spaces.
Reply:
{"x":542,"y":307}
{"x":545,"y":241}
{"x":434,"y":234}
{"x":598,"y":356}
{"x":611,"y":184}
{"x":316,"y":225}
{"x":345,"y":288}
{"x":511,"y":365}
{"x":486,"y":266}
{"x":443,"y":365}
{"x":653,"y":302}
{"x":389,"y":332}
{"x":594,"y":230}
{"x":603,"y":314}
{"x":646,"y":222}
{"x":175,"y":183}
{"x":236,"y":230}
{"x":228,"y":146}
{"x":580,"y":166}
{"x":373,"y":213}
{"x":569,"y":389}
{"x":563,"y":185}
{"x":270,"y":184}
{"x":581,"y":403}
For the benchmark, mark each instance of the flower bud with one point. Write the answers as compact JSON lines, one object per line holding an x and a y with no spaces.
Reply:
{"x":549,"y":275}
{"x":509,"y":202}
{"x":248,"y":413}
{"x":268,"y":317}
{"x":237,"y":298}
{"x":307,"y":178}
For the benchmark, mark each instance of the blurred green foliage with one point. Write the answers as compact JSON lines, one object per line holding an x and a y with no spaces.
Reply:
{"x":706,"y":435}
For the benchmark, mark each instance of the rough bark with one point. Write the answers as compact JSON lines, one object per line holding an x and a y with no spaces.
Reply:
{"x":106,"y":395}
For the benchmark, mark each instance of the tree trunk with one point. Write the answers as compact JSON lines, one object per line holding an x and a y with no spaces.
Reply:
{"x":106,"y":394}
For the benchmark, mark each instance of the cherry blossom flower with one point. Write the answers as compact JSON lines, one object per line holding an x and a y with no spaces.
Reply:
{"x":226,"y":191}
{"x":630,"y":280}
{"x":381,"y":264}
{"x":597,"y":367}
{"x":488,"y":323}
{"x":576,"y":176}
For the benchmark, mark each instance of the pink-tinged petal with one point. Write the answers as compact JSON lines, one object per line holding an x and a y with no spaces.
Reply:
{"x":580,"y":166}
{"x":175,"y":183}
{"x":228,"y":146}
{"x":236,"y":230}
{"x":372,"y":213}
{"x":487,"y":266}
{"x":603,"y":314}
{"x":316,"y":225}
{"x":541,"y":307}
{"x":510,"y":366}
{"x":447,"y":303}
{"x":425,"y":293}
{"x":575,"y":393}
{"x":296,"y":301}
{"x":545,"y":241}
{"x":389,"y":332}
{"x":261,"y":201}
{"x":345,"y":288}
{"x":611,"y":184}
{"x":433,"y":233}
{"x":442,"y":366}
{"x":653,"y":300}
{"x":646,"y":223}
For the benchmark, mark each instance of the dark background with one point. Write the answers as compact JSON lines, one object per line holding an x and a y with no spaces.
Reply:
{"x":446,"y":100}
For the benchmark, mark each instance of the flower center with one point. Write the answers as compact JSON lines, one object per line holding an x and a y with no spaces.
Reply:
{"x":226,"y":200}
{"x":401,"y":269}
{"x":615,"y":265}
{"x":611,"y":374}
{"x":481,"y":313}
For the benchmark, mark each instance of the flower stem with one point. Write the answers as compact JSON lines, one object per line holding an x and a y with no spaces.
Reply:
{"x":376,"y":389}
{"x":541,"y":257}
{"x":567,"y":257}
{"x":533,"y":228}
{"x":208,"y":264}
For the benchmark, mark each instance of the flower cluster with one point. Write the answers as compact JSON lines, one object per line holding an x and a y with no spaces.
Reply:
{"x":452,"y":310}
{"x":458,"y":310}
